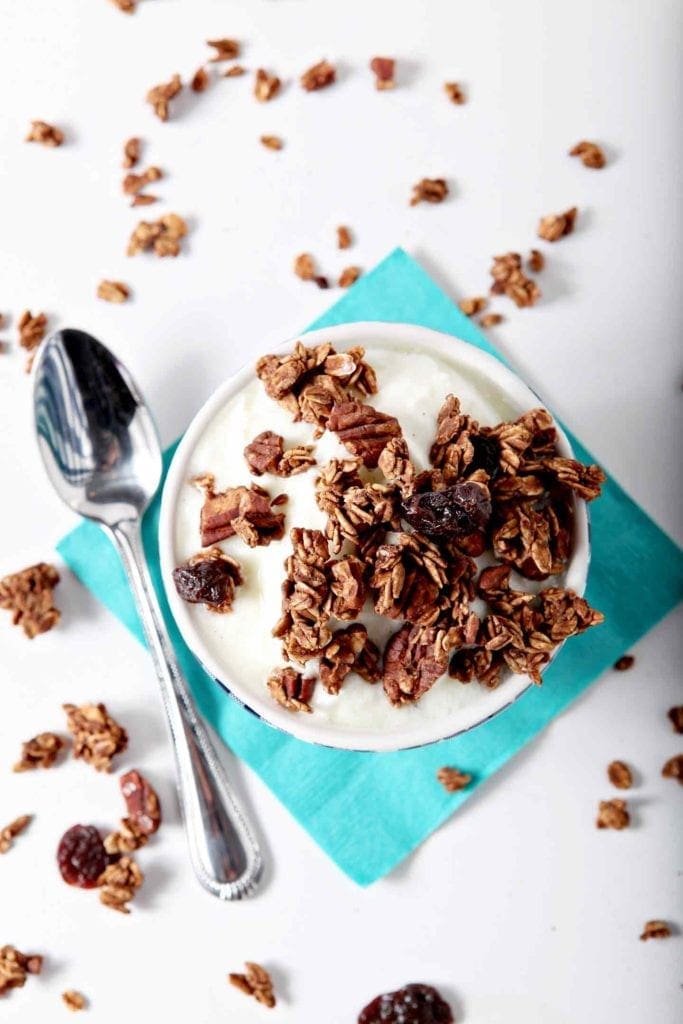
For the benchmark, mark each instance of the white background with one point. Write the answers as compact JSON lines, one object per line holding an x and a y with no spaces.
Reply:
{"x":519,"y":909}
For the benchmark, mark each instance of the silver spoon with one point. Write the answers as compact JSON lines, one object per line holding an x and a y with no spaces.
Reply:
{"x":102,"y":454}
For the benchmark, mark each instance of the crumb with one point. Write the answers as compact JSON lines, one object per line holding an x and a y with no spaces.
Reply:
{"x":127,"y":6}
{"x":624,"y":663}
{"x":613,"y":814}
{"x":675,"y":716}
{"x":46,"y":134}
{"x":304,"y":267}
{"x":474,"y":305}
{"x":9,"y":833}
{"x":321,"y":281}
{"x":673,"y":769}
{"x":266,"y":86}
{"x":453,"y":780}
{"x":163,"y":236}
{"x":536,"y":261}
{"x":349,"y":276}
{"x":97,"y":737}
{"x":655,"y":930}
{"x":134,"y":183}
{"x":271,"y":141}
{"x":590,"y":153}
{"x":131,"y":153}
{"x":113,"y":291}
{"x":15,"y":968}
{"x":620,"y":775}
{"x":144,"y":199}
{"x":118,"y":884}
{"x":256,"y":982}
{"x":344,"y":239}
{"x":200,"y":80}
{"x":491,"y":320}
{"x":319,"y":76}
{"x":509,"y":279}
{"x":74,"y":1000}
{"x":39,"y":752}
{"x":454,"y":93}
{"x":429,"y":190}
{"x":159,"y":96}
{"x":226,"y":49}
{"x":383,"y":70}
{"x":557,"y":225}
{"x":235,"y":71}
{"x":28,"y":595}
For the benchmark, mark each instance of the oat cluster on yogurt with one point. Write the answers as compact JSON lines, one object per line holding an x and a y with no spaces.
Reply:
{"x":433,"y":550}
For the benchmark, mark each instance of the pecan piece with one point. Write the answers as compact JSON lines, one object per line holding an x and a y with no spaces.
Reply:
{"x":363,"y":430}
{"x":620,"y":775}
{"x":159,"y":96}
{"x":557,"y":225}
{"x":453,"y":780}
{"x":271,"y":141}
{"x":249,"y":512}
{"x":255,"y":982}
{"x":266,"y":87}
{"x":28,"y":594}
{"x":226,"y":49}
{"x":673,"y":769}
{"x":429,"y":190}
{"x":289,"y":688}
{"x":613,"y":814}
{"x":266,"y":454}
{"x":72,"y":999}
{"x":46,"y":134}
{"x":349,"y":650}
{"x":9,"y":833}
{"x":118,"y":884}
{"x":97,"y":737}
{"x":113,"y":291}
{"x":655,"y":930}
{"x":319,"y":76}
{"x":142,"y":802}
{"x":383,"y":70}
{"x":414,"y":659}
{"x":349,"y":276}
{"x":590,"y":153}
{"x":39,"y":752}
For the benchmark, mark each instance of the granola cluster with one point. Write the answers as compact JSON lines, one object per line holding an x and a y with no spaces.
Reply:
{"x":256,"y":982}
{"x":15,"y":968}
{"x":29,"y":595}
{"x":97,"y":737}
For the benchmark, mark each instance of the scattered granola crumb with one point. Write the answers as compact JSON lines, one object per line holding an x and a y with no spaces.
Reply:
{"x":474,"y":305}
{"x":28,"y":595}
{"x":200,"y":80}
{"x":620,"y":775}
{"x":675,"y":716}
{"x":655,"y":930}
{"x":304,"y":267}
{"x":271,"y":141}
{"x":455,"y":93}
{"x":321,"y":281}
{"x":266,"y":454}
{"x":319,"y":76}
{"x":557,"y":225}
{"x":128,"y":838}
{"x":509,"y":279}
{"x":235,"y":71}
{"x":159,"y":96}
{"x":613,"y":814}
{"x":673,"y":769}
{"x":429,"y":190}
{"x":39,"y":752}
{"x":349,"y":276}
{"x":133,"y":183}
{"x":131,"y":153}
{"x":266,"y":87}
{"x":113,"y":291}
{"x":491,"y":320}
{"x":624,"y":663}
{"x":536,"y":261}
{"x":144,"y":199}
{"x":32,"y":330}
{"x":9,"y":833}
{"x":289,"y":688}
{"x":74,"y":1000}
{"x":383,"y":70}
{"x":15,"y":966}
{"x":46,"y":134}
{"x":590,"y":153}
{"x":97,"y":737}
{"x":127,"y":6}
{"x":118,"y":884}
{"x":162,"y":236}
{"x":453,"y":780}
{"x":256,"y":982}
{"x":344,"y":239}
{"x":226,"y":49}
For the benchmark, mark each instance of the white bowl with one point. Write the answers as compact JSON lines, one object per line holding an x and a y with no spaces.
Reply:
{"x":412,"y":729}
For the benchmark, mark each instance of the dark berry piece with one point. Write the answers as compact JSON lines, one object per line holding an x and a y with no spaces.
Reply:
{"x":414,"y":1004}
{"x":209,"y":578}
{"x":81,"y":856}
{"x":486,"y":455}
{"x":457,"y":511}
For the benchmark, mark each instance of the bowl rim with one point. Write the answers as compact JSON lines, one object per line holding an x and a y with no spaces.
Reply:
{"x":357,"y":333}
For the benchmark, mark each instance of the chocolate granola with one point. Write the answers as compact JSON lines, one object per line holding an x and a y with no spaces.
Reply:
{"x":9,"y":833}
{"x":248,"y":512}
{"x":28,"y":594}
{"x":557,"y":225}
{"x":266,"y":454}
{"x":591,"y":154}
{"x":159,"y":96}
{"x":97,"y":737}
{"x":256,"y":982}
{"x":39,"y":752}
{"x":429,"y":190}
{"x":15,"y":968}
{"x":319,"y":76}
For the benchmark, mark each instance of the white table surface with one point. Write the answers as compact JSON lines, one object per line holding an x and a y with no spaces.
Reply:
{"x":519,"y":909}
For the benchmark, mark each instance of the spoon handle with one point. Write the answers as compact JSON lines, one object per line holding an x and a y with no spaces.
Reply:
{"x":224,"y":853}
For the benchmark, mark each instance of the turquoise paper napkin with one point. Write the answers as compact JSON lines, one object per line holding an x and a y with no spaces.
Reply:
{"x":368,"y":811}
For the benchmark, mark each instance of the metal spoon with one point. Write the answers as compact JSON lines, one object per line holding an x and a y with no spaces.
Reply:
{"x":102,"y":454}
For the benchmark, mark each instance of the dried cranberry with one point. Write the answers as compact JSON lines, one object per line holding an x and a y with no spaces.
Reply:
{"x":414,"y":1004}
{"x":207,"y":581}
{"x":81,"y":856}
{"x":456,"y":511}
{"x":486,"y":455}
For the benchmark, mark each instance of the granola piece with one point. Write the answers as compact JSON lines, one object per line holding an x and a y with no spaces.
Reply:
{"x":493,"y":586}
{"x":226,"y":49}
{"x":396,"y":465}
{"x":32,"y":330}
{"x":255,"y":982}
{"x":363,"y":430}
{"x":304,"y":267}
{"x":585,"y":481}
{"x":9,"y":833}
{"x":536,"y":541}
{"x":131,"y":153}
{"x":429,"y":190}
{"x":351,"y":370}
{"x":353,"y":509}
{"x":453,"y":449}
{"x":46,"y":134}
{"x":271,"y":141}
{"x":118,"y":884}
{"x":143,"y":199}
{"x":655,"y":930}
{"x":613,"y":814}
{"x":266,"y":87}
{"x":209,"y":578}
{"x":249,"y":512}
{"x":349,"y":276}
{"x":319,"y":76}
{"x":675,"y":716}
{"x":39,"y":752}
{"x":408,"y":579}
{"x":163,"y":236}
{"x":490,"y":320}
{"x":509,"y":279}
{"x":350,"y":650}
{"x":347,"y":587}
{"x":235,"y":71}
{"x":673,"y":769}
{"x":72,"y":999}
{"x":477,"y":663}
{"x":266,"y":454}
{"x":128,"y":7}
{"x":557,"y":225}
{"x":343,"y":237}
{"x":454,"y":93}
{"x":453,"y":780}
{"x":134,"y":183}
{"x":142,"y":802}
{"x":620,"y":775}
{"x":565,"y":614}
{"x":473,"y":305}
{"x":200,"y":80}
{"x":590,"y":153}
{"x":536,"y":261}
{"x":304,"y":624}
{"x":289,"y":688}
{"x":28,"y":594}
{"x":113,"y":291}
{"x":159,"y":96}
{"x":15,"y":967}
{"x":414,"y":659}
{"x":383,"y":70}
{"x":128,"y":838}
{"x":97,"y":737}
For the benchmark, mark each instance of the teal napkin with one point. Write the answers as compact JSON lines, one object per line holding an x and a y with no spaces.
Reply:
{"x":368,"y":811}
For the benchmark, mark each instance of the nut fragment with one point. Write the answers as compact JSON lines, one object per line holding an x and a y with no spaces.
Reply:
{"x":304,"y":267}
{"x":248,"y":512}
{"x":557,"y":225}
{"x":509,"y":279}
{"x":289,"y":688}
{"x":590,"y":153}
{"x":319,"y":76}
{"x":131,"y":153}
{"x":536,"y":261}
{"x":200,"y":80}
{"x":256,"y":982}
{"x":613,"y":814}
{"x":343,"y":237}
{"x":128,"y":838}
{"x":454,"y":93}
{"x":39,"y":752}
{"x":162,"y":236}
{"x":142,"y":802}
{"x":673,"y":769}
{"x":74,"y":1000}
{"x":15,"y":967}
{"x":128,"y":7}
{"x":271,"y":141}
{"x":473,"y":305}
{"x":118,"y":884}
{"x":46,"y":134}
{"x":383,"y":70}
{"x":491,"y":320}
{"x":235,"y":71}
{"x":97,"y":737}
{"x":429,"y":190}
{"x":349,"y":276}
{"x":266,"y":86}
{"x":620,"y":775}
{"x":11,"y":831}
{"x":675,"y":716}
{"x":28,"y":595}
{"x":226,"y":49}
{"x":159,"y":96}
{"x":624,"y":663}
{"x":453,"y":780}
{"x":113,"y":291}
{"x":363,"y":430}
{"x":32,"y":330}
{"x":266,"y":454}
{"x":655,"y":930}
